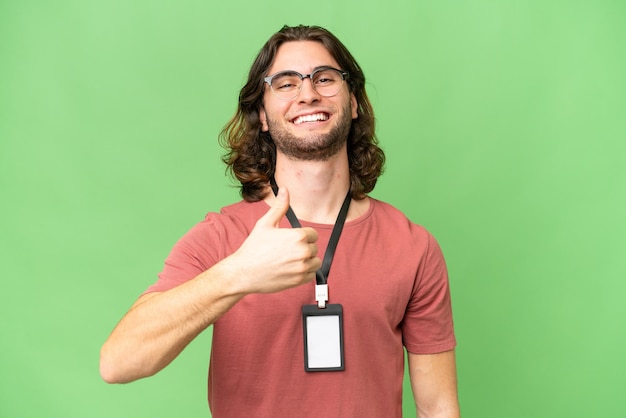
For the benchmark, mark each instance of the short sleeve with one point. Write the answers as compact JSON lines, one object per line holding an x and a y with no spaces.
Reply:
{"x":427,"y":327}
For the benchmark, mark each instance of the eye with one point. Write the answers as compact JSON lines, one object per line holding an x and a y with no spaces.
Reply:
{"x":285,"y":82}
{"x":327,"y":77}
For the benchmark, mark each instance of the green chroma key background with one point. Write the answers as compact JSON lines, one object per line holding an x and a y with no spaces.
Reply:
{"x":504,"y":125}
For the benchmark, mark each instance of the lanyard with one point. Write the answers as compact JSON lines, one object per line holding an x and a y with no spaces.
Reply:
{"x":321,"y":275}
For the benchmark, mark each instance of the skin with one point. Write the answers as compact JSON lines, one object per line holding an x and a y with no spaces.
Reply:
{"x":434,"y":384}
{"x":160,"y":325}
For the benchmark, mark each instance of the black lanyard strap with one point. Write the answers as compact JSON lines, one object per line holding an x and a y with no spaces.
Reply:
{"x":321,"y":275}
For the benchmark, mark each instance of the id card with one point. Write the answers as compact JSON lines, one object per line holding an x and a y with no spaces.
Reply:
{"x":323,"y":338}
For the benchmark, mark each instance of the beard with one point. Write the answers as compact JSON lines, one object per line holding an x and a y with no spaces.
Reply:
{"x":312,"y":146}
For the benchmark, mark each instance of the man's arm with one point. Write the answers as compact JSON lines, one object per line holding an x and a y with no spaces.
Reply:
{"x":434,"y":383}
{"x":160,"y":325}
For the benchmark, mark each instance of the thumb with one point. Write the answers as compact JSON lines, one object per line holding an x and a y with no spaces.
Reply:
{"x":278,"y":209}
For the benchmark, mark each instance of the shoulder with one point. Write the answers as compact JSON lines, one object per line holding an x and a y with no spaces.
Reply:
{"x":398,"y":231}
{"x":218,"y":234}
{"x":235,"y":220}
{"x":240,"y":212}
{"x":386,"y":214}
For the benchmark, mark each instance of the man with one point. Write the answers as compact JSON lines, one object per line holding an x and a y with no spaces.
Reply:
{"x":305,"y":131}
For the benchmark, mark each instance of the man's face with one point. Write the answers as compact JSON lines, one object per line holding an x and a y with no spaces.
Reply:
{"x":311,"y":126}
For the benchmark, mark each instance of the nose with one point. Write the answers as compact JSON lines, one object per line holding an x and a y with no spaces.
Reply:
{"x":308,"y":93}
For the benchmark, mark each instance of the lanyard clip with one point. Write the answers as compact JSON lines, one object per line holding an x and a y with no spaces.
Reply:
{"x":321,"y":295}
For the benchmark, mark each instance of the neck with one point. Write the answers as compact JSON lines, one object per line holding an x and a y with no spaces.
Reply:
{"x":316,"y":188}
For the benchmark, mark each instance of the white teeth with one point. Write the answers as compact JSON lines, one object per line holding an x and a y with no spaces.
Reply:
{"x":310,"y":118}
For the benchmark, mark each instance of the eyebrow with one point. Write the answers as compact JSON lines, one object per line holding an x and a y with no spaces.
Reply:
{"x":319,"y":67}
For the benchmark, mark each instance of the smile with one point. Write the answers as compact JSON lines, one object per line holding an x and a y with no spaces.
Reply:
{"x":316,"y":117}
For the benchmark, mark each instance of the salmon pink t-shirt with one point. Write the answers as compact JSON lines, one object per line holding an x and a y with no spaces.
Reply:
{"x":389,"y":275}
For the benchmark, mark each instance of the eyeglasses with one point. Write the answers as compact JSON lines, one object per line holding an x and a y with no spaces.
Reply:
{"x":327,"y":81}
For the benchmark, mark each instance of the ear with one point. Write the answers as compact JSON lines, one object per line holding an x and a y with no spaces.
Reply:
{"x":263,"y":119}
{"x":355,"y":106}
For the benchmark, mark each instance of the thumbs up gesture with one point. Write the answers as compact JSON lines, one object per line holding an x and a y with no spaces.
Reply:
{"x":272,"y":259}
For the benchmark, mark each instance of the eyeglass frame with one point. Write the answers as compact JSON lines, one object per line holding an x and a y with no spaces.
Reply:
{"x":269,"y":78}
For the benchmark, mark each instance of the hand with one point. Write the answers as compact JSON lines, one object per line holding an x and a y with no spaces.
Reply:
{"x":272,"y":259}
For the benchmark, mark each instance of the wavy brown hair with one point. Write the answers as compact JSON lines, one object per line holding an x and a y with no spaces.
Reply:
{"x":251,"y":153}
